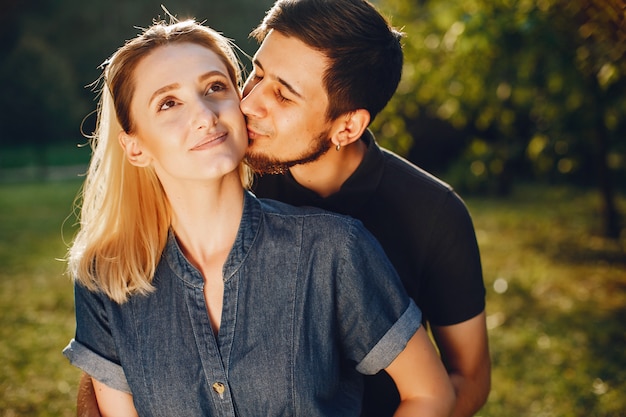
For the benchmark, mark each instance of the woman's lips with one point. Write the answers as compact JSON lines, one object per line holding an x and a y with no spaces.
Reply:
{"x":210,"y":141}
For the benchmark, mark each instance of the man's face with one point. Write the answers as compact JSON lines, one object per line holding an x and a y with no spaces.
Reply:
{"x":285,"y":105}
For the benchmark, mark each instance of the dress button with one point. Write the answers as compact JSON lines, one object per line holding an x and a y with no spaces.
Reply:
{"x":219,"y":388}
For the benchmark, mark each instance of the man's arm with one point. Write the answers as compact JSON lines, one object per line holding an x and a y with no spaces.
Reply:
{"x":464,"y":349}
{"x":86,"y":402}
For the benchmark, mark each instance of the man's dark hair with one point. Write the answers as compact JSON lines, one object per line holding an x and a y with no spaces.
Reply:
{"x":364,"y":51}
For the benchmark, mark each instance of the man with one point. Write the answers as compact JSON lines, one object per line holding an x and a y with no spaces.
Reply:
{"x":324,"y":70}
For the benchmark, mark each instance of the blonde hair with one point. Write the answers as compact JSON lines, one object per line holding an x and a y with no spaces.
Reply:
{"x":124,"y":213}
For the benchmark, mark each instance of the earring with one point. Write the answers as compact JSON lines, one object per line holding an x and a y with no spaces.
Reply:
{"x":338,"y":147}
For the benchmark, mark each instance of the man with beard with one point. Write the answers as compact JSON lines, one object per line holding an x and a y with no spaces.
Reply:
{"x":323,"y":71}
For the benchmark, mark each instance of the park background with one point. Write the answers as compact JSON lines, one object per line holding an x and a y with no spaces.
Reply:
{"x":519,"y":104}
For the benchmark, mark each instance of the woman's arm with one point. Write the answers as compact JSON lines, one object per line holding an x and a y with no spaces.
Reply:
{"x":113,"y":403}
{"x":424,"y":386}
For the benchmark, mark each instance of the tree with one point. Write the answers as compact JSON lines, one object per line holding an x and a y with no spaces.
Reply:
{"x":538,"y":87}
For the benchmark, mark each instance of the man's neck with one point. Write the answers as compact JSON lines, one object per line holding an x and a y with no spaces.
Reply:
{"x":326,"y":175}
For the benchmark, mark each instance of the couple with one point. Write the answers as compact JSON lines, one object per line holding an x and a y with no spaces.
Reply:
{"x":335,"y":303}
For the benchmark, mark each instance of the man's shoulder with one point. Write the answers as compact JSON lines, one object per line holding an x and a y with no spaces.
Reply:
{"x":403,"y":170}
{"x":405,"y":183}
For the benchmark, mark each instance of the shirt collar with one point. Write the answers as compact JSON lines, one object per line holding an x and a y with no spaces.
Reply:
{"x":357,"y":190}
{"x":246,"y":235}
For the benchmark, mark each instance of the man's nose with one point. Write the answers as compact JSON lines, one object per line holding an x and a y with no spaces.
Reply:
{"x":251,"y":104}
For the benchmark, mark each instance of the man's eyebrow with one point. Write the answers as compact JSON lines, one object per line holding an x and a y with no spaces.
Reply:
{"x":162,"y":90}
{"x":281,"y":81}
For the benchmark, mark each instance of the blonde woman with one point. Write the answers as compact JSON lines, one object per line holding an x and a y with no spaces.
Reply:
{"x":194,"y":298}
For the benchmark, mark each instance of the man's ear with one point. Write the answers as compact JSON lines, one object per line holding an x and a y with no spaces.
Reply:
{"x":132,"y":149}
{"x":349,"y":127}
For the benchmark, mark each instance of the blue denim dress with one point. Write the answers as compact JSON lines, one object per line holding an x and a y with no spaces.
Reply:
{"x":310,"y":304}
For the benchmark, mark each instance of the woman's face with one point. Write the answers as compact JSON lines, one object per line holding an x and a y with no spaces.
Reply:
{"x":185,"y":114}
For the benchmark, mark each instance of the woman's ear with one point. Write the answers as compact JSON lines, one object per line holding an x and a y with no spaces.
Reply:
{"x":349,"y":127}
{"x":132,"y":149}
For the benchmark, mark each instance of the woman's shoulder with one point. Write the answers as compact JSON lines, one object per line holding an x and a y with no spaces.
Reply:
{"x":317,"y":224}
{"x":278,"y":208}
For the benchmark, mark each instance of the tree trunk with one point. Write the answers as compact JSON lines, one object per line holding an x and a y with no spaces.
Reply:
{"x":611,"y":217}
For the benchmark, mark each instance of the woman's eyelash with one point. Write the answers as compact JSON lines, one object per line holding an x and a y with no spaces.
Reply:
{"x":218,"y":86}
{"x":214,"y":87}
{"x":166,"y":102}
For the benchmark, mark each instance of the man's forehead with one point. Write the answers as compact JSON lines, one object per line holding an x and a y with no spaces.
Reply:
{"x":291,"y":60}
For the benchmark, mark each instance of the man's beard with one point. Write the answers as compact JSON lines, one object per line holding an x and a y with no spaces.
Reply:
{"x":265,"y":164}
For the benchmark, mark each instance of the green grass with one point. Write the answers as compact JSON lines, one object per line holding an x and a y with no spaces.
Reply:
{"x":557,"y":333}
{"x":35,"y":300}
{"x":556,"y":295}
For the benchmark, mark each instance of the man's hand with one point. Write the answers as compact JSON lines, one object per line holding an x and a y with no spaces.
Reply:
{"x":464,"y":350}
{"x":86,"y":403}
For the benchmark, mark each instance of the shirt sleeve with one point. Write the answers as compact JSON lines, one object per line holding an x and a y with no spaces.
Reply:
{"x":454,"y":285}
{"x":93,"y":347}
{"x":377,"y":318}
{"x":96,"y":366}
{"x":392,"y":343}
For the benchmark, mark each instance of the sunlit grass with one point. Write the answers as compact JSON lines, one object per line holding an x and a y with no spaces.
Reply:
{"x":556,"y":305}
{"x":556,"y":295}
{"x":36,"y":303}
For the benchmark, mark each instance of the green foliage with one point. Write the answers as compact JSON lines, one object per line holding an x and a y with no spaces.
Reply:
{"x":555,"y":303}
{"x":537,"y":87}
{"x":42,"y":101}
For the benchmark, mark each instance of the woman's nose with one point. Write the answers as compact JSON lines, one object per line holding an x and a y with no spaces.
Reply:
{"x":205,"y":115}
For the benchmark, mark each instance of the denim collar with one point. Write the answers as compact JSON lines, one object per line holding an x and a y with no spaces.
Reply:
{"x":248,"y":230}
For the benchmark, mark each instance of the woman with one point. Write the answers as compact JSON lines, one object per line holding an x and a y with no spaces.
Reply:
{"x":195,"y":298}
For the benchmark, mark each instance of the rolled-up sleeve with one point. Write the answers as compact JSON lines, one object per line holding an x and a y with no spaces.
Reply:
{"x":102,"y":369}
{"x":93,"y":347}
{"x":393,"y":342}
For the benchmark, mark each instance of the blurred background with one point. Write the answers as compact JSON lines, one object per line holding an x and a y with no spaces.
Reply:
{"x":50,"y":53}
{"x":519,"y":104}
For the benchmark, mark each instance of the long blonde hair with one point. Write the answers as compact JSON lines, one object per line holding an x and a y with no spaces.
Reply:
{"x":124,"y":213}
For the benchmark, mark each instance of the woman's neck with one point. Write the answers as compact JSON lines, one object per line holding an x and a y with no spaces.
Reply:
{"x":206,"y":218}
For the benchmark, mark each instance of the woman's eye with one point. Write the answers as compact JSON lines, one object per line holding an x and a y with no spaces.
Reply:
{"x":216,"y":88}
{"x":168,"y":103}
